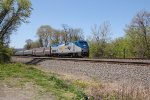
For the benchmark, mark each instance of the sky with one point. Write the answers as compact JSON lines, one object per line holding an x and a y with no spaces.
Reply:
{"x":78,"y":14}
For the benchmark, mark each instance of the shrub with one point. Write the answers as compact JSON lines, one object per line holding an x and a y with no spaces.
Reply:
{"x":5,"y":54}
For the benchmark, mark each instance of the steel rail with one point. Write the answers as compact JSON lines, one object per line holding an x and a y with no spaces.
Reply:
{"x":114,"y":61}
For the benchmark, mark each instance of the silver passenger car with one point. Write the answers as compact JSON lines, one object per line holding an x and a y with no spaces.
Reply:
{"x":28,"y":52}
{"x":19,"y":53}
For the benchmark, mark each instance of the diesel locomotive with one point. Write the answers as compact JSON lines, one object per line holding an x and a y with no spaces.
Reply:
{"x":72,"y":49}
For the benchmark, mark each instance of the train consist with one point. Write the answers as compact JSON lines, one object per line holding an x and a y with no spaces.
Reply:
{"x":72,"y":49}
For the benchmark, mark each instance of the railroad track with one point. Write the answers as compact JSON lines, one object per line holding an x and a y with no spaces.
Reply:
{"x":114,"y":61}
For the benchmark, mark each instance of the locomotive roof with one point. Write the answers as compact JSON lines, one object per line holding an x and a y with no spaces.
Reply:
{"x":58,"y":44}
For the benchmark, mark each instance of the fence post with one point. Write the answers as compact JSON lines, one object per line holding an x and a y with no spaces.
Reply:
{"x":124,"y":53}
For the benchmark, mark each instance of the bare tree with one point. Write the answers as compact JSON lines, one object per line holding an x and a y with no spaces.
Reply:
{"x":71,"y":34}
{"x":76,"y":34}
{"x":101,"y":35}
{"x":40,"y":41}
{"x":65,"y":32}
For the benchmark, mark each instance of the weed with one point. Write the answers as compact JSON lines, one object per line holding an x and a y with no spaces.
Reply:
{"x":81,"y":83}
{"x":124,"y":92}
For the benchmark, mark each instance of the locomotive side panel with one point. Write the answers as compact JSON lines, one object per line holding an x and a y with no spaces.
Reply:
{"x":65,"y":49}
{"x":54,"y":51}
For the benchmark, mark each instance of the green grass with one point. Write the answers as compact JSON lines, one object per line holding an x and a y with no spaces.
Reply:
{"x":63,"y":90}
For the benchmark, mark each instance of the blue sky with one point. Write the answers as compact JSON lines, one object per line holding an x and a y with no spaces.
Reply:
{"x":78,"y":14}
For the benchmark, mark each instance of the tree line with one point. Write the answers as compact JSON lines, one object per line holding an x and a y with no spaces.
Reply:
{"x":134,"y":44}
{"x":48,"y":36}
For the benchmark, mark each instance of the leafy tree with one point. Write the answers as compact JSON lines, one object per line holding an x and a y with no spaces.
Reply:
{"x":28,"y":44}
{"x":94,"y":49}
{"x":56,"y":36}
{"x":12,"y":14}
{"x":45,"y":33}
{"x":31,"y":44}
{"x":35,"y":44}
{"x":121,"y":48}
{"x":5,"y":7}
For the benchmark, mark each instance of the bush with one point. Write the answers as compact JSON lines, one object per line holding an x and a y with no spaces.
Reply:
{"x":99,"y":50}
{"x":5,"y":54}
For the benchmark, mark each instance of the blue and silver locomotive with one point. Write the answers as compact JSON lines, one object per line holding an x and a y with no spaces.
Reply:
{"x":72,"y":49}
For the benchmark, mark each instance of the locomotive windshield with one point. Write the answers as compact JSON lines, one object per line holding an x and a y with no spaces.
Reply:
{"x":83,"y":44}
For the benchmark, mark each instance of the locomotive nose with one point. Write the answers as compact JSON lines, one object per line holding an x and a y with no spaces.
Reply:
{"x":85,"y":52}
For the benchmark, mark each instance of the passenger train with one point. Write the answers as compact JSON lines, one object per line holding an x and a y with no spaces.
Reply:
{"x":72,"y":49}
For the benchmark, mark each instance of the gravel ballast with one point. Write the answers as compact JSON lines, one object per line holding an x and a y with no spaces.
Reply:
{"x":135,"y":74}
